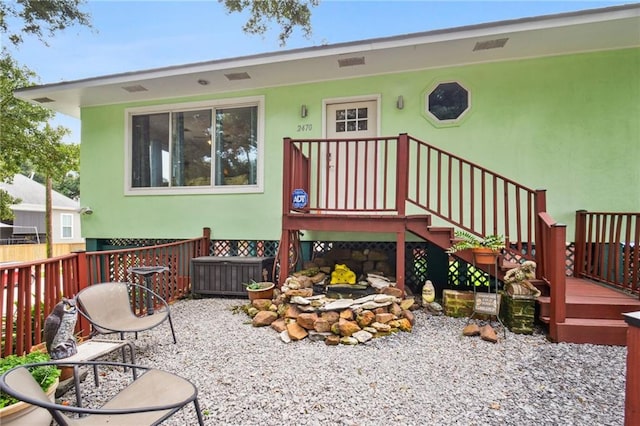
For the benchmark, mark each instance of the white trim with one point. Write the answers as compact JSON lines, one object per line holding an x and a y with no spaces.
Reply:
{"x":186,"y":106}
{"x":62,"y":226}
{"x":451,"y":122}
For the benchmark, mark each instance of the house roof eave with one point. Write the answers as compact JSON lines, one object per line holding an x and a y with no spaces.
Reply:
{"x":597,"y":29}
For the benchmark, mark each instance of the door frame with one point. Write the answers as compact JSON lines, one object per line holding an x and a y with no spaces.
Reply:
{"x":347,"y":99}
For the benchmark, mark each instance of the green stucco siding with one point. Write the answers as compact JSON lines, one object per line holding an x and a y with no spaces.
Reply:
{"x":569,"y":124}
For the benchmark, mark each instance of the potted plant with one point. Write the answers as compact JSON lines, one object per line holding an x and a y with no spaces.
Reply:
{"x":259,"y":290}
{"x":14,"y":411}
{"x":485,"y":250}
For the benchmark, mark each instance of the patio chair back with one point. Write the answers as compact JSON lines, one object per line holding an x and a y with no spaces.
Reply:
{"x":108,"y":307}
{"x":21,"y":380}
{"x":149,"y":399}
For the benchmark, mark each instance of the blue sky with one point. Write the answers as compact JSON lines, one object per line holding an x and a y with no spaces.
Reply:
{"x":138,"y":35}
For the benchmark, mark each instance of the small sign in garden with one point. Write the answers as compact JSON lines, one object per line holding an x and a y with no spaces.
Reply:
{"x":487,"y":303}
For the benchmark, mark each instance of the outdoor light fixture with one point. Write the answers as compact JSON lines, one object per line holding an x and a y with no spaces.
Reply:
{"x":303,"y":111}
{"x":86,"y":210}
{"x":400,"y":102}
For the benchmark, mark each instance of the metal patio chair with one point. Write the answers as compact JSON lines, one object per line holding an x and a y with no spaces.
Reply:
{"x":151,"y":398}
{"x":108,"y":307}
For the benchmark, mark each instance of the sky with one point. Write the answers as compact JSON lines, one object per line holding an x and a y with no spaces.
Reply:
{"x":139,"y":35}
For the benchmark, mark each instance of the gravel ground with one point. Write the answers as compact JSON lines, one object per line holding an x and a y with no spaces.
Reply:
{"x":433,"y":375}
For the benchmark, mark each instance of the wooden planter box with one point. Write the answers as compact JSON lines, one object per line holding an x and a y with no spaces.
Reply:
{"x":225,"y":276}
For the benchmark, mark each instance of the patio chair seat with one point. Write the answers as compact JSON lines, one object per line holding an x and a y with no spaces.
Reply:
{"x":107,"y":306}
{"x":150,"y":399}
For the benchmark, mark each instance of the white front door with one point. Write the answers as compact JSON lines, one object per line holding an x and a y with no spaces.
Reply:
{"x":350,"y":169}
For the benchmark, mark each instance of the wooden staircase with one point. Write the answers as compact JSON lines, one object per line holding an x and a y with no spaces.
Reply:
{"x":369,"y":184}
{"x":593,"y":313}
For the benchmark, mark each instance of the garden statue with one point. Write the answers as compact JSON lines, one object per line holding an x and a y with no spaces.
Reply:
{"x":517,"y":280}
{"x":342,"y":275}
{"x":58,"y":330}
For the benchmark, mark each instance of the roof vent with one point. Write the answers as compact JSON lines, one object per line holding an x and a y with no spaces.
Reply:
{"x":43,"y":100}
{"x":349,"y":62}
{"x":490,"y":44}
{"x":135,"y":88}
{"x":237,"y":76}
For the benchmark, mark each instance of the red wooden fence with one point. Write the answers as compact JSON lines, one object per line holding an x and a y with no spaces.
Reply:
{"x":31,"y":290}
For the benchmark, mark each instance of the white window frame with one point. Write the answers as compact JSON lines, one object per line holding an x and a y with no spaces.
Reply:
{"x":451,"y":122}
{"x":181,"y":107}
{"x":62,"y":226}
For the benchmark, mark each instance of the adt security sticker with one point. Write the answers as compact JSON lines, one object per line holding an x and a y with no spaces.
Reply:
{"x":300,"y":198}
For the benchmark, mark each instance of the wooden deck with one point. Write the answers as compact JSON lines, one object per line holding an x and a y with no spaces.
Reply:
{"x":594,"y":313}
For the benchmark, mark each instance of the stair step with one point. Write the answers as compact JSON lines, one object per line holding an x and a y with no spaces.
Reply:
{"x":588,"y":308}
{"x":594,"y":331}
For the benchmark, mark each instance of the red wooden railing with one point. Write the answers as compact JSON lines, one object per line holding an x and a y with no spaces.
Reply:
{"x":608,"y":249}
{"x":31,"y":290}
{"x":473,"y":198}
{"x":382,"y":175}
{"x":551,"y":249}
{"x":355,"y":175}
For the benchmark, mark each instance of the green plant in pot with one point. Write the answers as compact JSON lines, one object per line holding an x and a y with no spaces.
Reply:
{"x":12,"y":410}
{"x":259,"y":290}
{"x":485,"y":250}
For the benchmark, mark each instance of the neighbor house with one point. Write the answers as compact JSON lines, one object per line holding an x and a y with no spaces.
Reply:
{"x":29,"y":214}
{"x":551,"y":103}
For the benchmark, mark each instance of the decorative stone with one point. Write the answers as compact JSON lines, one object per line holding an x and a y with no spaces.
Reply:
{"x":407,"y":303}
{"x":261,"y":304}
{"x":365,"y":318}
{"x":298,"y":300}
{"x":332,"y":340}
{"x":330,"y":316}
{"x":347,"y":314}
{"x":264,"y":318}
{"x":489,"y":334}
{"x":284,"y":336}
{"x":347,"y":328}
{"x":409,"y":315}
{"x":291,"y":311}
{"x":279,"y":325}
{"x":370,"y":330}
{"x":315,"y":336}
{"x":303,"y":292}
{"x":362,"y":336}
{"x":337,"y":305}
{"x":384,"y":299}
{"x":322,"y":325}
{"x":373,"y":305}
{"x":434,"y":308}
{"x":393,"y":291}
{"x":348,"y":340}
{"x":385,"y":317}
{"x":307,"y":320}
{"x":380,"y":327}
{"x":296,"y":332}
{"x":471,"y":330}
{"x":395,"y":309}
{"x":306,"y":308}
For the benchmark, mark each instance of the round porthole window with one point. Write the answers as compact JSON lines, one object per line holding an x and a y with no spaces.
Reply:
{"x":447,"y":102}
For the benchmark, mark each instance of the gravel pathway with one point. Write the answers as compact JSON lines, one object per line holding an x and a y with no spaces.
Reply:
{"x":433,"y":375}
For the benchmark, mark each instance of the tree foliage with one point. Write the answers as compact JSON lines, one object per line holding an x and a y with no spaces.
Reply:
{"x":39,"y":18}
{"x":288,"y":14}
{"x":25,"y":133}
